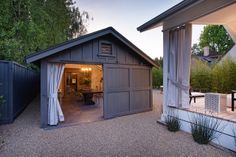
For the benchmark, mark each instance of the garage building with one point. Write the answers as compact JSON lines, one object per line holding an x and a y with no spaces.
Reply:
{"x":103,"y":65}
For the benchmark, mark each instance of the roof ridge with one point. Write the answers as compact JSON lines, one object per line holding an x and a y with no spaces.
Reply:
{"x":85,"y":38}
{"x":68,"y":41}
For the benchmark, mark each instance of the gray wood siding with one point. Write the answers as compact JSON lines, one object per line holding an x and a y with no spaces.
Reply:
{"x":127,"y":89}
{"x":90,"y":53}
{"x":43,"y":95}
{"x":6,"y":110}
{"x":19,"y":86}
{"x":122,"y":96}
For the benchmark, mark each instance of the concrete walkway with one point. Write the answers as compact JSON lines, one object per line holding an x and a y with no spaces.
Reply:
{"x":133,"y":135}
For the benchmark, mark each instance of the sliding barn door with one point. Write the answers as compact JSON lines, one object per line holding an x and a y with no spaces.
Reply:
{"x":127,"y":90}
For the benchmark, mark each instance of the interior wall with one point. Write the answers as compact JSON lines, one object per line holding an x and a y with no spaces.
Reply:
{"x":96,"y":76}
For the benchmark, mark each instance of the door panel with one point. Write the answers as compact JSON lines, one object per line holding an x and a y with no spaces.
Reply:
{"x":127,"y":89}
{"x":118,"y":103}
{"x":140,"y":100}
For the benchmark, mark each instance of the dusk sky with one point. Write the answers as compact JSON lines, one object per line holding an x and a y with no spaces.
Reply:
{"x":126,"y":15}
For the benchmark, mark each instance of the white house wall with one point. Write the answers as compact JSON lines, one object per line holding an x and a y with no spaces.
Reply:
{"x":165,"y":70}
{"x":226,"y":139}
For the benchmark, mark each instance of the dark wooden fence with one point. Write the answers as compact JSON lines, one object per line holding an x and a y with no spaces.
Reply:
{"x":18,"y":86}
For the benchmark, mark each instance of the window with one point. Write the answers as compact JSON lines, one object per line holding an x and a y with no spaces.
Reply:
{"x":106,"y":48}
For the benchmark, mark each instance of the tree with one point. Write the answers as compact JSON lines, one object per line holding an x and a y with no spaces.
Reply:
{"x":159,"y":61}
{"x":157,"y":77}
{"x":196,"y":50}
{"x":217,"y":38}
{"x":27,"y":26}
{"x":157,"y":74}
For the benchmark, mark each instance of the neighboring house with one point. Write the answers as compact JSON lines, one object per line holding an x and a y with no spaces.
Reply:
{"x":177,"y":32}
{"x":124,"y":71}
{"x":210,"y":58}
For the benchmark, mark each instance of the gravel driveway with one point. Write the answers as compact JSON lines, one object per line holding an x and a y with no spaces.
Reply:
{"x":134,"y":135}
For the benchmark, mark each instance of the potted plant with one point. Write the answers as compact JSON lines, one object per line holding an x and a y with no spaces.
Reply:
{"x":87,"y":82}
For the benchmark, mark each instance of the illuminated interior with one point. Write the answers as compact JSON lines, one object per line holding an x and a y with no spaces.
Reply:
{"x":81,"y":93}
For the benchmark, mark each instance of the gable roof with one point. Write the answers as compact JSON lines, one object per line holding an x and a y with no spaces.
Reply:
{"x":80,"y":40}
{"x":156,"y":21}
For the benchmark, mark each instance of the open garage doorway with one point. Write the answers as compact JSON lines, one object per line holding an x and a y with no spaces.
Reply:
{"x":81,"y":93}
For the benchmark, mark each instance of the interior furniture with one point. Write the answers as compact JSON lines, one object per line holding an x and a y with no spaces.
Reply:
{"x":88,"y":96}
{"x":194,"y":96}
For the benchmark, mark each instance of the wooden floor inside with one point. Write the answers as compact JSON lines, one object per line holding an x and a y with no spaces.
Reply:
{"x":199,"y":107}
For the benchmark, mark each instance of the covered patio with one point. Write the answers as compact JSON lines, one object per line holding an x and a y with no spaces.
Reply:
{"x":177,"y":35}
{"x":199,"y":107}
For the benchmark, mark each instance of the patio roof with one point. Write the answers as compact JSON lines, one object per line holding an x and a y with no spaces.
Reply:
{"x":194,"y":11}
{"x":157,"y":21}
{"x":225,"y":16}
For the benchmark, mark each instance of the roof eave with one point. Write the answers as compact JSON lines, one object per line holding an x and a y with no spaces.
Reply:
{"x":158,"y":20}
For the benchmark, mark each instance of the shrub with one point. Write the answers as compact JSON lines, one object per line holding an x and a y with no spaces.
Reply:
{"x":218,"y":78}
{"x":157,"y":77}
{"x":200,"y":76}
{"x":172,"y":121}
{"x":204,"y":128}
{"x":223,"y":76}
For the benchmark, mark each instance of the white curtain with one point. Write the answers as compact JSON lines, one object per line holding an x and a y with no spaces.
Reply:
{"x":179,"y":58}
{"x":55,"y":114}
{"x":172,"y":62}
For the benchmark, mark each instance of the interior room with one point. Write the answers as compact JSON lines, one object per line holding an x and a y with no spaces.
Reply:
{"x":81,"y":93}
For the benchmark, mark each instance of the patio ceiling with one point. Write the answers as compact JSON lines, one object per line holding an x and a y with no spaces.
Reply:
{"x":225,"y":16}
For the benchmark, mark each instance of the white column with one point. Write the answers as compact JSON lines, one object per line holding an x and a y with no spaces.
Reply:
{"x":165,"y":72}
{"x":176,"y":67}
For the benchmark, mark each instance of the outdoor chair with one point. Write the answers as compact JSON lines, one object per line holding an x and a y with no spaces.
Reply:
{"x":194,"y":96}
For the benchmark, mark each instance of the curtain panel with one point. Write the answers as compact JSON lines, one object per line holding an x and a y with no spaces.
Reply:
{"x":55,"y":72}
{"x":179,"y":58}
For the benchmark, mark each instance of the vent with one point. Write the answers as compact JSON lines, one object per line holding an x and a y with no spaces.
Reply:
{"x":106,"y":48}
